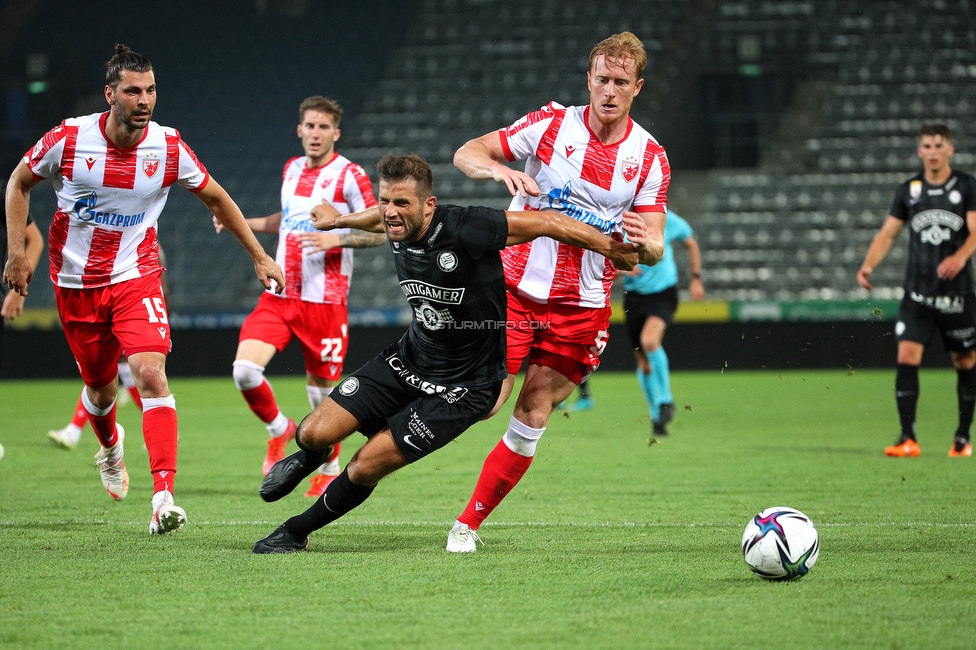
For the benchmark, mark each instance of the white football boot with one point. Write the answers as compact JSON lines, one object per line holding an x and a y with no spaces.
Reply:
{"x":112,"y":467}
{"x":166,"y":517}
{"x":66,"y":438}
{"x":462,"y":539}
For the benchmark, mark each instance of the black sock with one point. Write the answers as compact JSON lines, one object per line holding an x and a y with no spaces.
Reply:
{"x":340,"y":497}
{"x":584,"y":390}
{"x":966,"y":390}
{"x":906,"y":395}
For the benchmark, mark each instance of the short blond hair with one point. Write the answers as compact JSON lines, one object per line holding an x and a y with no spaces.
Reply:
{"x":618,"y":48}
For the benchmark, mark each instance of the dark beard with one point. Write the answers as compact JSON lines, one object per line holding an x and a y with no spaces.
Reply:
{"x":126,"y":117}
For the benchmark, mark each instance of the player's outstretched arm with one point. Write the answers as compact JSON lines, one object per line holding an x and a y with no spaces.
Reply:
{"x":314,"y":242}
{"x":525,"y":226}
{"x":481,"y":159}
{"x":13,"y":302}
{"x":19,"y":271}
{"x":324,"y":216}
{"x":218,"y":201}
{"x":268,"y":224}
{"x":882,"y":243}
{"x":695,"y":287}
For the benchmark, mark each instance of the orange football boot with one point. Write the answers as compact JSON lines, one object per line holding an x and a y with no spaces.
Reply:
{"x":904,"y":449}
{"x":960,"y":447}
{"x":276,"y":446}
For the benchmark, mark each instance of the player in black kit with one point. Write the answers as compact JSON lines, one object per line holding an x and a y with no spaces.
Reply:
{"x":446,"y":372}
{"x":939,"y":205}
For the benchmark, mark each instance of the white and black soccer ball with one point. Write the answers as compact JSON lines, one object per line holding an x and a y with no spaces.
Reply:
{"x":780,"y":544}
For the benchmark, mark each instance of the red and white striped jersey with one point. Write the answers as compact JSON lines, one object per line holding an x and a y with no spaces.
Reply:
{"x":109,"y":199}
{"x":322,"y":276}
{"x":584,"y":179}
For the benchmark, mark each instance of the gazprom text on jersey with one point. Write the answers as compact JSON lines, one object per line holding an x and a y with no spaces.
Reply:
{"x":112,"y":218}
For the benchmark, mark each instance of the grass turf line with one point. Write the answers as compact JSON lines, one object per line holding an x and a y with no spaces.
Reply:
{"x":606,"y":543}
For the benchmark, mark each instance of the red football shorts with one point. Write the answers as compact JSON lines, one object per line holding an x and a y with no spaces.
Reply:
{"x":566,"y":338}
{"x":322,"y":330}
{"x":127,"y":317}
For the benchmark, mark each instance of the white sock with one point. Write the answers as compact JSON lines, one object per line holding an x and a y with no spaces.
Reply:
{"x":332,"y":468}
{"x":160,"y":497}
{"x":317,"y":394}
{"x":521,"y":438}
{"x":91,"y":408}
{"x":150,"y":403}
{"x":278,"y":426}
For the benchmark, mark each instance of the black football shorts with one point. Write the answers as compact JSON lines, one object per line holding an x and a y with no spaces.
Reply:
{"x":421,"y":415}
{"x":953,"y":316}
{"x":638,"y":307}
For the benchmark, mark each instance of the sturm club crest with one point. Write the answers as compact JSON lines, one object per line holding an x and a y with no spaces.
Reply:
{"x":447,"y":261}
{"x":150,"y":165}
{"x":349,"y":386}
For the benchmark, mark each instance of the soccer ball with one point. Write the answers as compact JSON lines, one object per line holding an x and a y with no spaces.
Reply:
{"x":780,"y":544}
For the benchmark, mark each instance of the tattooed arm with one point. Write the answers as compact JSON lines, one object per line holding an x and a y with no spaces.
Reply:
{"x":314,"y":242}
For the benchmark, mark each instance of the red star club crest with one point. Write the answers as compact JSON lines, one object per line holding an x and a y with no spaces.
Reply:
{"x":150,"y":165}
{"x":629,"y":168}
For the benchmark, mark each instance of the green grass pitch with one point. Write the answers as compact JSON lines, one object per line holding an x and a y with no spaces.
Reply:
{"x":608,"y":542}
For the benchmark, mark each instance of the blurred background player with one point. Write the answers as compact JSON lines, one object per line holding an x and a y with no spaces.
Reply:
{"x":939,"y":203}
{"x":112,"y":173}
{"x":318,"y":267}
{"x":595,"y":164}
{"x":650,"y":300}
{"x":69,"y":436}
{"x":11,"y":302}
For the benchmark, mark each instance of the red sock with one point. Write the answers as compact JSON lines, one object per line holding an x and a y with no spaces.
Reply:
{"x":262,"y":401}
{"x":136,"y":397}
{"x":502,"y":470}
{"x":104,"y":427}
{"x":160,"y":430}
{"x":81,"y":415}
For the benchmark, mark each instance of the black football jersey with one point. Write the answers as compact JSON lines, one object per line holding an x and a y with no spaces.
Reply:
{"x":454,"y":281}
{"x":936,"y":219}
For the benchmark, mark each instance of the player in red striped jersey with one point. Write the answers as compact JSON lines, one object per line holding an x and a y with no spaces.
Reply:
{"x":111,"y":174}
{"x":595,"y":164}
{"x":318,"y":267}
